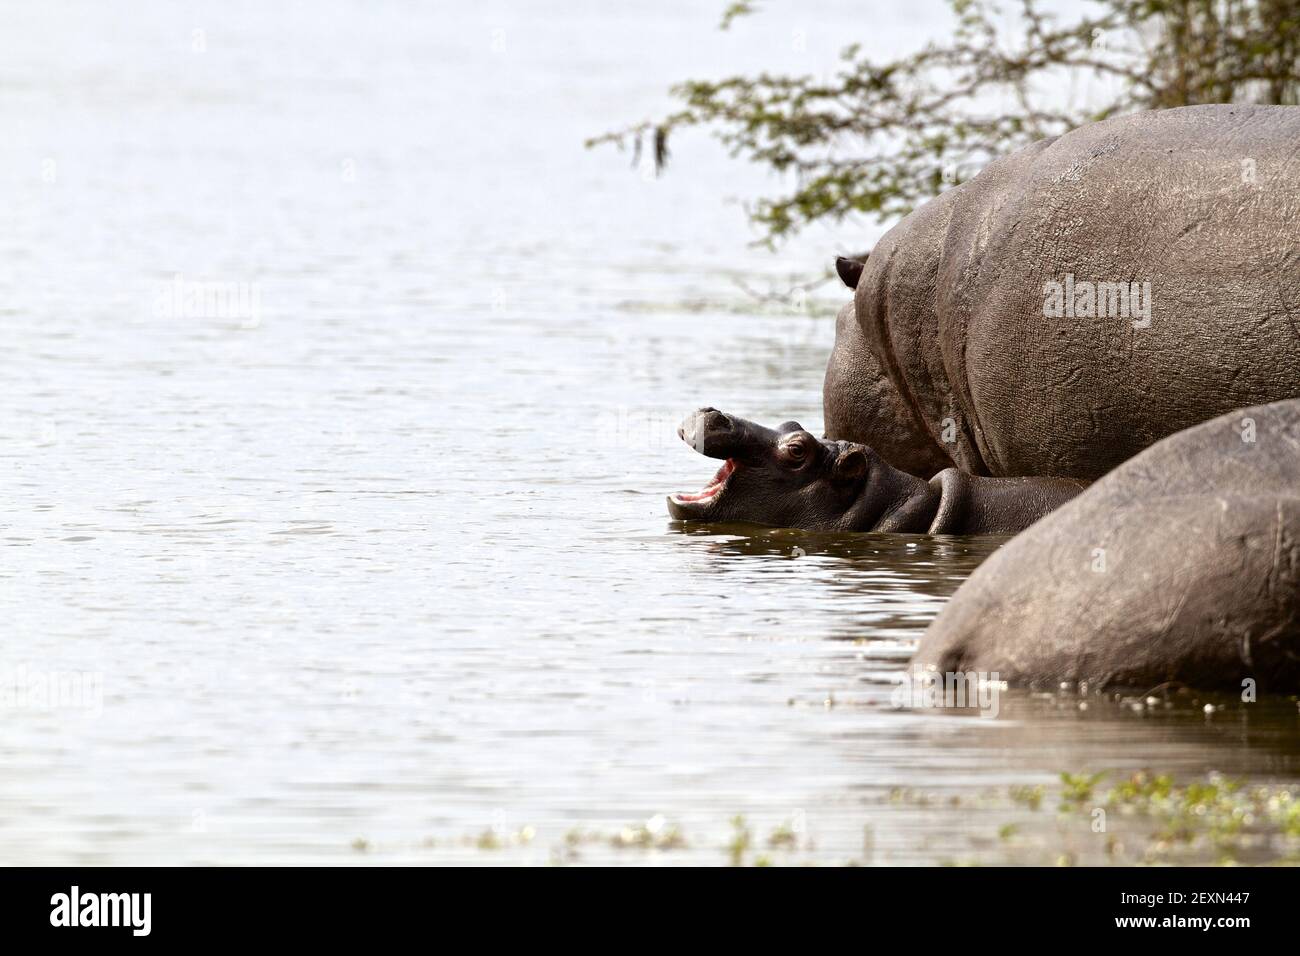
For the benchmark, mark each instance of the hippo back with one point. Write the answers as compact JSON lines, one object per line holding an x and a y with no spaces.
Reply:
{"x":1088,"y":295}
{"x":1181,"y":565}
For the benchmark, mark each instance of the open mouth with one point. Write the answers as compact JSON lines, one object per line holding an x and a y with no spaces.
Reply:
{"x":709,"y":491}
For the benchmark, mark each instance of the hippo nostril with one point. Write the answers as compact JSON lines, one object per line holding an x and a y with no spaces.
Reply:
{"x":716,"y":421}
{"x":712,"y":433}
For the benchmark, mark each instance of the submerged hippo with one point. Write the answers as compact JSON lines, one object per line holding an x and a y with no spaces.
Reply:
{"x":790,"y":479}
{"x":1181,"y":565}
{"x":1080,"y":299}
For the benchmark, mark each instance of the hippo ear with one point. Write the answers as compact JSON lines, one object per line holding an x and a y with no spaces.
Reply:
{"x":850,"y":270}
{"x":850,"y":467}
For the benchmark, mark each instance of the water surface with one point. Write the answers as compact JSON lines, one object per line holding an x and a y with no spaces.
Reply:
{"x":383,"y":572}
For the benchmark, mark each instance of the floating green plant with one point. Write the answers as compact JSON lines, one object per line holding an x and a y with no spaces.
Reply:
{"x":1101,"y":818}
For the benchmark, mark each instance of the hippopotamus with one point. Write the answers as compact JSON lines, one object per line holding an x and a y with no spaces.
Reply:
{"x":786,"y":477}
{"x":1182,"y":565}
{"x":1080,"y":299}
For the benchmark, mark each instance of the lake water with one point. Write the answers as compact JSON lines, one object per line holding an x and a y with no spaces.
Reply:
{"x":363,"y":557}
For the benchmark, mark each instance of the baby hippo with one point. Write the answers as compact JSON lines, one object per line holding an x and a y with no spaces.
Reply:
{"x":788,"y":478}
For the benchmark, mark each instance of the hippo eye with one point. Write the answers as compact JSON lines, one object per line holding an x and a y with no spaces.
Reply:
{"x":795,"y":450}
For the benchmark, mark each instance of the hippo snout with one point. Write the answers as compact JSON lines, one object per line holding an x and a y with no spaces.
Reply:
{"x":717,"y":435}
{"x":704,"y":430}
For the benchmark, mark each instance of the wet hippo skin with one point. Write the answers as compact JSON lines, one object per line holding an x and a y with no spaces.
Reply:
{"x":1181,"y":565}
{"x":786,"y":477}
{"x":948,"y":355}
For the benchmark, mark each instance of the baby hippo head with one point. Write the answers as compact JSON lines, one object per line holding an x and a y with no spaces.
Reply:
{"x":785,"y":478}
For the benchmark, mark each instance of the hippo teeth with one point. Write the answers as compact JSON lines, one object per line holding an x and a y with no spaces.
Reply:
{"x":712,"y":488}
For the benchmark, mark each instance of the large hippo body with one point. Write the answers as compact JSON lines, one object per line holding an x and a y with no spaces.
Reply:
{"x":948,"y":358}
{"x":1181,"y":565}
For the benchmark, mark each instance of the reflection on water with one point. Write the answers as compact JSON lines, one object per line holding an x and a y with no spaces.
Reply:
{"x":384,"y":572}
{"x":885,"y":586}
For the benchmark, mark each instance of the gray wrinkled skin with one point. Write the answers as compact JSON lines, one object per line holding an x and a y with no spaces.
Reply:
{"x":948,"y":327}
{"x":1181,"y":565}
{"x":788,"y":478}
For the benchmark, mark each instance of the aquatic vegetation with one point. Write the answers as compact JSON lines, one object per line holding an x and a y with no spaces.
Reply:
{"x":1031,"y":797}
{"x":1239,"y":823}
{"x":740,"y":841}
{"x":784,"y":836}
{"x":1078,"y":787}
{"x":1152,"y":818}
{"x":1100,"y":818}
{"x":655,"y":833}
